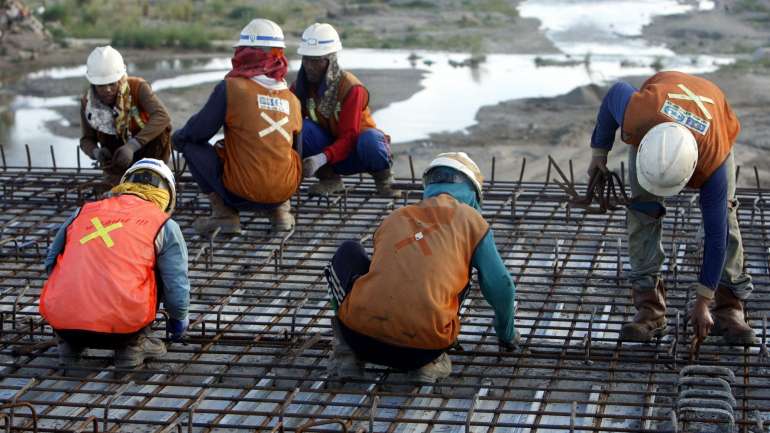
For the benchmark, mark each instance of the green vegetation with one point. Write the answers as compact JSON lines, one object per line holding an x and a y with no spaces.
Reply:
{"x":751,"y":6}
{"x":177,"y":36}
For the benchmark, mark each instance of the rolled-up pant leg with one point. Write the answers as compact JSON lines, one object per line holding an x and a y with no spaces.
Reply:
{"x":733,"y":276}
{"x":644,"y":222}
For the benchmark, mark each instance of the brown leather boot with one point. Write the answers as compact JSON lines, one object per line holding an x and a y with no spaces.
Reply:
{"x":729,"y":319}
{"x":383,"y":182}
{"x":222,"y":216}
{"x":329,"y":182}
{"x":650,"y":318}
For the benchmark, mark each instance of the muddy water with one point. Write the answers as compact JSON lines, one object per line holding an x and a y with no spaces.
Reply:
{"x":600,"y":39}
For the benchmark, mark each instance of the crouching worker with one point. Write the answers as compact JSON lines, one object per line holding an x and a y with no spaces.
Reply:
{"x":121,"y":119}
{"x":401,"y":308}
{"x":339,"y":134}
{"x":255,"y":168}
{"x":109,"y":266}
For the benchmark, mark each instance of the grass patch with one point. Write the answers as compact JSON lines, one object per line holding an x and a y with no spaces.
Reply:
{"x":177,"y":36}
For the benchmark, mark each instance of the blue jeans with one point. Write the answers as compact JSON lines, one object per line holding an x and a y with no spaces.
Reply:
{"x":371,"y":154}
{"x":207,"y":169}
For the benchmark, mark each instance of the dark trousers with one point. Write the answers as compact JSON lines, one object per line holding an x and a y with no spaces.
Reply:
{"x":207,"y":169}
{"x":84,"y":339}
{"x":348,"y":264}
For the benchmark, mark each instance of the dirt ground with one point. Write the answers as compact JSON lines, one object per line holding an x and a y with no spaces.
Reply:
{"x":562,"y":126}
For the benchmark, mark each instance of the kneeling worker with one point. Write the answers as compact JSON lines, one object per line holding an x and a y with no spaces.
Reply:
{"x":110,"y":264}
{"x":401,"y":308}
{"x":255,"y":167}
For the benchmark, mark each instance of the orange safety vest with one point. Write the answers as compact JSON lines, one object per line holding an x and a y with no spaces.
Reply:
{"x":347,"y":82}
{"x":671,"y":97}
{"x":259,"y":162}
{"x":104,"y":279}
{"x":422,"y":258}
{"x":139,"y":117}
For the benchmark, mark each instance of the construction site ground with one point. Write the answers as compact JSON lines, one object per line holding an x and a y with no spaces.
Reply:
{"x":256,"y":352}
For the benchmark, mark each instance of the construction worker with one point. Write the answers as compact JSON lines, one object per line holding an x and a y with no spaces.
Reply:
{"x":401,"y":308}
{"x":121,"y":119}
{"x":339,"y":134}
{"x":255,"y":167}
{"x":110,"y":264}
{"x":681,"y":130}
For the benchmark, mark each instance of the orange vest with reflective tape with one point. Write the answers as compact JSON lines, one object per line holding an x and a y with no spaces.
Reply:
{"x":104,"y":279}
{"x":422,"y":260}
{"x":661,"y":99}
{"x":347,"y":82}
{"x":139,"y":117}
{"x":259,"y":162}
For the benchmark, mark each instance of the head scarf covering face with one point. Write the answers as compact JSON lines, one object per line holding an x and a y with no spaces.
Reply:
{"x":249,"y":62}
{"x":111,"y":120}
{"x":330,"y":87}
{"x":159,"y":196}
{"x":332,"y":81}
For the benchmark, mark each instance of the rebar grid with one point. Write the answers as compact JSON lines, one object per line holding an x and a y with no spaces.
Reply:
{"x":256,"y":353}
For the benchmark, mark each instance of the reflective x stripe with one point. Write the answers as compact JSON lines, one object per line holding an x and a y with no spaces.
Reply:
{"x":101,"y":232}
{"x":274,"y":126}
{"x":690,"y":96}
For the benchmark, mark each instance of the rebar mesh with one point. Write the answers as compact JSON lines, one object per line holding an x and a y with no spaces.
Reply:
{"x":256,"y":353}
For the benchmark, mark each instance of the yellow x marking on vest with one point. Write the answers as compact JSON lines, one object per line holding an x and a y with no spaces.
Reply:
{"x":101,"y":232}
{"x":274,"y":126}
{"x":690,"y":96}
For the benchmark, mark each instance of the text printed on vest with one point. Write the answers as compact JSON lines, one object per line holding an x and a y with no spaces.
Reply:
{"x":101,"y":232}
{"x":273,"y":104}
{"x":685,"y":118}
{"x":274,"y":126}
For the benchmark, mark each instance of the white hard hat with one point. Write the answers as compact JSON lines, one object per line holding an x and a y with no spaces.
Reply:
{"x":319,"y":40}
{"x":261,"y":33}
{"x":104,"y":66}
{"x":461,"y":162}
{"x":158,"y":167}
{"x":666,"y":159}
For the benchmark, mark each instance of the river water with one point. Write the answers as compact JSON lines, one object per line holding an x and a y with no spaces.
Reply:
{"x":604,"y":32}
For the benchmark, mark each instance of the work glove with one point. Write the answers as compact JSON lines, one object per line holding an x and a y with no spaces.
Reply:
{"x":124,"y":156}
{"x":311,"y":164}
{"x":102,"y":155}
{"x":598,"y":162}
{"x":176,"y":328}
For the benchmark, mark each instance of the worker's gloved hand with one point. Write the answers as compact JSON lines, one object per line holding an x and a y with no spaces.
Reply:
{"x":701,"y":317}
{"x":102,"y":155}
{"x":124,"y":156}
{"x":598,"y":162}
{"x":311,"y":164}
{"x":176,"y":328}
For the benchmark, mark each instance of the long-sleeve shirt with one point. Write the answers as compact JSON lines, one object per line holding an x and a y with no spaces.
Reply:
{"x":171,"y":260}
{"x":208,"y":121}
{"x":158,"y":122}
{"x":495,"y":280}
{"x":713,"y":193}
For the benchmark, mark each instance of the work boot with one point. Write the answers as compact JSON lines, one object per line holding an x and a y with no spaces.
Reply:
{"x":729,"y":319}
{"x":650,"y":318}
{"x":343,"y":362}
{"x":439,"y":368}
{"x":222,"y":216}
{"x":68,"y":354}
{"x":281,"y":218}
{"x":329,"y":182}
{"x":144,"y":347}
{"x":383,"y":182}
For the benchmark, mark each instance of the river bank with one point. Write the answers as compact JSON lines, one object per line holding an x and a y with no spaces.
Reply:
{"x":534,"y":128}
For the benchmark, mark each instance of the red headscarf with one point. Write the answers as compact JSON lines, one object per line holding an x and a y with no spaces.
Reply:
{"x":249,"y":62}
